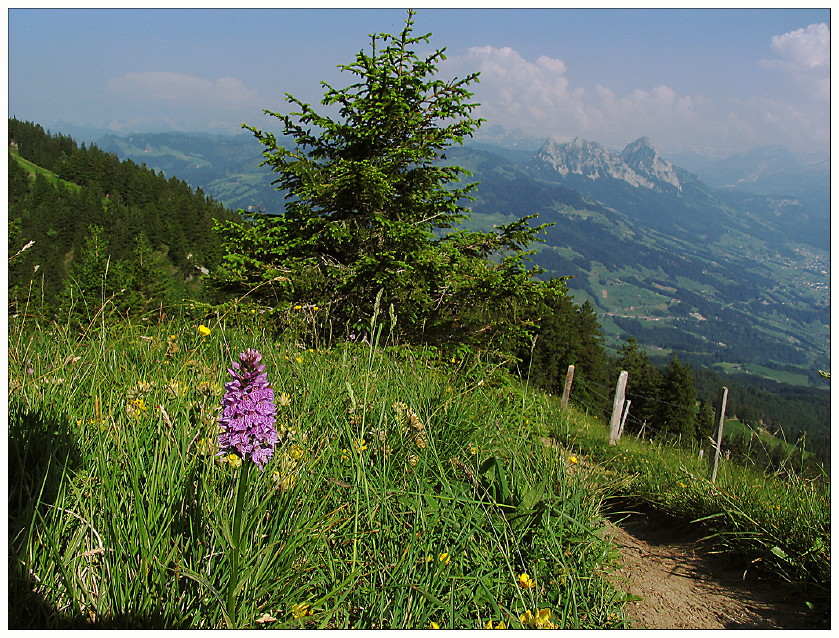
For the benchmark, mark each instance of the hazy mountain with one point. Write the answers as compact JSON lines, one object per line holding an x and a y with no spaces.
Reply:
{"x":638,"y":164}
{"x":224,"y":166}
{"x":728,"y":277}
{"x":769,"y":170}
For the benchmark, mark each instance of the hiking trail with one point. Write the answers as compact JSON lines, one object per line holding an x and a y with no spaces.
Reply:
{"x":683,"y":585}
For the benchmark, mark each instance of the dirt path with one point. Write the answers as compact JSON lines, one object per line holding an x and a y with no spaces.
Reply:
{"x":683,"y":586}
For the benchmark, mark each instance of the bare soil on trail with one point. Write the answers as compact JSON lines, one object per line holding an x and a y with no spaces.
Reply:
{"x":682,"y":585}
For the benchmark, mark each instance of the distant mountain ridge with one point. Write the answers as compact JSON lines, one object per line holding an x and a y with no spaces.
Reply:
{"x":724,"y":276}
{"x":638,"y":164}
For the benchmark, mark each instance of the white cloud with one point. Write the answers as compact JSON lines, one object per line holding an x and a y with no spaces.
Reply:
{"x":536,"y":98}
{"x":178,"y":101}
{"x":521,"y":90}
{"x":179,"y":88}
{"x":808,"y":47}
{"x":804,"y":56}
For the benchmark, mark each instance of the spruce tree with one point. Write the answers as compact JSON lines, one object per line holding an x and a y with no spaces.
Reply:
{"x":371,"y":210}
{"x":643,"y":382}
{"x":91,"y":277}
{"x":677,"y":401}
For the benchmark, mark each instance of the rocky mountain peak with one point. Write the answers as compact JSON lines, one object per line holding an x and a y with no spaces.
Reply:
{"x":644,"y":160}
{"x":638,"y":164}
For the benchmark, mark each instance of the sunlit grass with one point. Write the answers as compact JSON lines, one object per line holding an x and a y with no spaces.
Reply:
{"x":778,"y":522}
{"x":408,"y":491}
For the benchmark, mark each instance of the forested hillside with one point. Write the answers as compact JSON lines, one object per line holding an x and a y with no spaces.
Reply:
{"x":103,"y":229}
{"x":85,"y":226}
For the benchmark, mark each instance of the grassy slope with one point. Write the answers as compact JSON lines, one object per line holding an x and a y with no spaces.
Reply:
{"x":235,"y":178}
{"x":34,"y":169}
{"x":357,"y":515}
{"x":122,"y":515}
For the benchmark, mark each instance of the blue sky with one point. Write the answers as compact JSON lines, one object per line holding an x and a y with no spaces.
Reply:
{"x":706,"y":80}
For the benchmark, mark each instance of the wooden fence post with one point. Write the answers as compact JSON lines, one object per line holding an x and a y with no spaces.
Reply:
{"x":623,"y":419}
{"x":720,"y":424}
{"x":617,"y":407}
{"x":566,"y":391}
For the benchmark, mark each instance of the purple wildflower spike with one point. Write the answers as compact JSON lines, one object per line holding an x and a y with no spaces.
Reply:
{"x":248,"y":411}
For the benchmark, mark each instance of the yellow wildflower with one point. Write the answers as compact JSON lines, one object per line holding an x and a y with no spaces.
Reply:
{"x":433,"y":625}
{"x":206,"y":447}
{"x":284,"y":481}
{"x":203,"y":330}
{"x":175,"y":388}
{"x":301,"y":610}
{"x":284,"y":400}
{"x":573,"y":460}
{"x":136,"y":407}
{"x":540,"y":620}
{"x":345,"y":454}
{"x":443,"y":558}
{"x":298,"y":359}
{"x":359,"y":445}
{"x":234,"y":461}
{"x":524,"y":580}
{"x":295,"y":452}
{"x":500,"y":625}
{"x":298,"y":307}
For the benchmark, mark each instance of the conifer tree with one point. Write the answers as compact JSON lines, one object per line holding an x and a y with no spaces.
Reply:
{"x":705,"y":426}
{"x":643,"y":381}
{"x":371,"y":210}
{"x":147,"y":284}
{"x":91,"y":277}
{"x":677,"y":401}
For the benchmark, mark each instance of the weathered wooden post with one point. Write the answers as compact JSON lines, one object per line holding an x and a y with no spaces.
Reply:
{"x":617,"y":407}
{"x":720,"y":424}
{"x":566,"y":391}
{"x":623,"y":419}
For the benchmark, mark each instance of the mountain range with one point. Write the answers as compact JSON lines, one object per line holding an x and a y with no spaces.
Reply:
{"x":730,"y":270}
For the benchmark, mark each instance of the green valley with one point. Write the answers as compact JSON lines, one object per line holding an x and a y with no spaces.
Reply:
{"x":722,"y":287}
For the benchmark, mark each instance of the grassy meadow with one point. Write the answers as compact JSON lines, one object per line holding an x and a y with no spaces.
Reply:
{"x":409,"y":490}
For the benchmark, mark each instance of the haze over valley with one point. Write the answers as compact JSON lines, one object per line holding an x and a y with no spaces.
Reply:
{"x":680,"y":156}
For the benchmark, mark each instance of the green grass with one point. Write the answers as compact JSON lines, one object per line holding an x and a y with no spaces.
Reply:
{"x":765,"y":439}
{"x":367,"y":517}
{"x":34,"y":169}
{"x":775,"y":523}
{"x":121,"y":514}
{"x":775,"y":375}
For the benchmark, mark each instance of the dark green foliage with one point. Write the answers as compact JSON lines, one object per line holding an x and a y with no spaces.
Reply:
{"x":158,"y":231}
{"x":676,"y":412}
{"x":705,"y":425}
{"x":785,"y":410}
{"x":643,"y":384}
{"x":371,"y":210}
{"x":569,"y":334}
{"x":92,"y":279}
